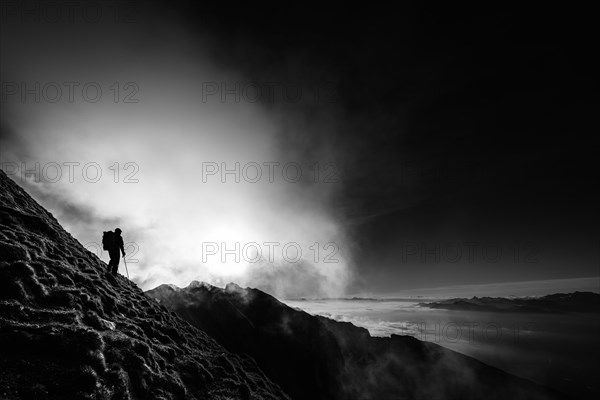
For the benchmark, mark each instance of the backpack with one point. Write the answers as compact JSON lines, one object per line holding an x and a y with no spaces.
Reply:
{"x":108,"y":240}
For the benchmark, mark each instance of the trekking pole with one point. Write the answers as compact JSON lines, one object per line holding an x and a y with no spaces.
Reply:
{"x":126,"y":270}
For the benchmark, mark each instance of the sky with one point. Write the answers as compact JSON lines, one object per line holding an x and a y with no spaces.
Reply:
{"x":309,"y":151}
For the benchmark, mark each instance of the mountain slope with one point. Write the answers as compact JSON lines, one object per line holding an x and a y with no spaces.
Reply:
{"x":69,"y":331}
{"x":318,"y":358}
{"x":289,"y":350}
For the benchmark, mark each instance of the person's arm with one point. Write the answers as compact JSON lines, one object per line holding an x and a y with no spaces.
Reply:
{"x":122,"y":246}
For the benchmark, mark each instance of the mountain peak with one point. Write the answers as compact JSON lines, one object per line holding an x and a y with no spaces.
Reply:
{"x":233,"y":287}
{"x":198,"y":284}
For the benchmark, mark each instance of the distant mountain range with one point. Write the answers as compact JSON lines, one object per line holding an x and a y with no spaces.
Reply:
{"x":555,"y":303}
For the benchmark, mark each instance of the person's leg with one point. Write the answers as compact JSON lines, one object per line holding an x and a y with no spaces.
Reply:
{"x":110,"y":264}
{"x":114,"y":259}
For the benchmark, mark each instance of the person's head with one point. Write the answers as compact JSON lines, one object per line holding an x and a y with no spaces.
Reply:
{"x":118,"y":231}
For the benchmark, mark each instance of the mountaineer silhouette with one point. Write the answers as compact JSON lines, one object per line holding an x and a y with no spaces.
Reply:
{"x":113,"y":242}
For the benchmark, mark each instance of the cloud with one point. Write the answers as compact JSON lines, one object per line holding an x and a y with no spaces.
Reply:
{"x":143,"y":165}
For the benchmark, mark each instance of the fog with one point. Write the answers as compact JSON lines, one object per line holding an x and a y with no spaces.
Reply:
{"x":539,"y":347}
{"x":123,"y":125}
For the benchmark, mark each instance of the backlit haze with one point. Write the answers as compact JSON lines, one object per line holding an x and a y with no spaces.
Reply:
{"x":162,"y":142}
